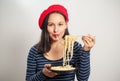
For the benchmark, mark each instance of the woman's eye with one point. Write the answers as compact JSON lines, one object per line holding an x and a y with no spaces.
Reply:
{"x":50,"y":24}
{"x":60,"y":24}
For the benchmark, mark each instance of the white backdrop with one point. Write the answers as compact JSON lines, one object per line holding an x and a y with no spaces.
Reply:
{"x":19,"y":31}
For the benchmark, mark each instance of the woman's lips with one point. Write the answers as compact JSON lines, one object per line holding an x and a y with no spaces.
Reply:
{"x":55,"y":35}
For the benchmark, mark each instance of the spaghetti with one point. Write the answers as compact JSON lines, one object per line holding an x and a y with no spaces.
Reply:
{"x":68,"y":53}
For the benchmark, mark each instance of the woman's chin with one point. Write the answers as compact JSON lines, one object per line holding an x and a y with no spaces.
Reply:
{"x":55,"y":39}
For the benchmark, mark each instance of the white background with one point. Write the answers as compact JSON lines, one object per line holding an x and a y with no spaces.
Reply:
{"x":19,"y":31}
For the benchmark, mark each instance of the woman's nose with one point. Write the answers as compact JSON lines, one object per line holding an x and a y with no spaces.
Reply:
{"x":55,"y":28}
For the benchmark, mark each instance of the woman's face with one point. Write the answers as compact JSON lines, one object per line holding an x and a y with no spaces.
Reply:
{"x":56,"y":26}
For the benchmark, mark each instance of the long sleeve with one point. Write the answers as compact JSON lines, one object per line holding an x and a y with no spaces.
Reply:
{"x":31,"y":72}
{"x":83,"y":63}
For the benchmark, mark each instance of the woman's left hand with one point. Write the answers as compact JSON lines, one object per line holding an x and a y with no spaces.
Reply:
{"x":88,"y":41}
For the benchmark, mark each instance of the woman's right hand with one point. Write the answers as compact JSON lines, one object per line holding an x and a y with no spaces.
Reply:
{"x":47,"y":72}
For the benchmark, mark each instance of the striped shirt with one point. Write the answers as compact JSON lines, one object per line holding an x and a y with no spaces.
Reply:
{"x":80,"y":60}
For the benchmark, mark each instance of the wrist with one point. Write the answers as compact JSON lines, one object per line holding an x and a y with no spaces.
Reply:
{"x":86,"y":48}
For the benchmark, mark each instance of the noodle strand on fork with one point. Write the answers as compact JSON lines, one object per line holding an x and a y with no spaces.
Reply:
{"x":68,"y":54}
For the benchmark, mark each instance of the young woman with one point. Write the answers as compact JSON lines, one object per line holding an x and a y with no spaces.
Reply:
{"x":54,"y":25}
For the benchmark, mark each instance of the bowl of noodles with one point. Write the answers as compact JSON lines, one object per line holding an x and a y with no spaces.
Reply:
{"x":62,"y":68}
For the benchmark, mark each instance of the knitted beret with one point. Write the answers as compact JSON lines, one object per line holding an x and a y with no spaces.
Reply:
{"x":52,"y":8}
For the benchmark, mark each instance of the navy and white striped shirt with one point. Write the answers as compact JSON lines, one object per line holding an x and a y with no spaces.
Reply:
{"x":80,"y":59}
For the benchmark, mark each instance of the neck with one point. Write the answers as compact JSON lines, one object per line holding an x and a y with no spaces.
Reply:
{"x":57,"y":46}
{"x":56,"y":51}
{"x":58,"y":42}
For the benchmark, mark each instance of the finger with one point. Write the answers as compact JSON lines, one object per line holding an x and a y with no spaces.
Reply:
{"x":87,"y":38}
{"x":51,"y":73}
{"x":91,"y":37}
{"x":94,"y":39}
{"x":84,"y":40}
{"x":47,"y":65}
{"x":87,"y":42}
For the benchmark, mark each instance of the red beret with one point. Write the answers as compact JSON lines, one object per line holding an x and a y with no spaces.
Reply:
{"x":52,"y":8}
